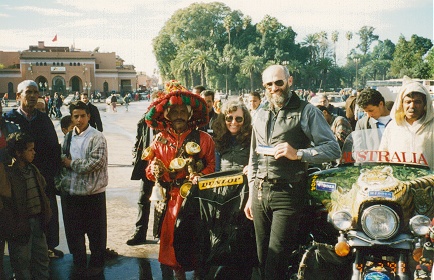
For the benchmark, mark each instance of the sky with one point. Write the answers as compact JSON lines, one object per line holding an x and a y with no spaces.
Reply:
{"x":127,"y":27}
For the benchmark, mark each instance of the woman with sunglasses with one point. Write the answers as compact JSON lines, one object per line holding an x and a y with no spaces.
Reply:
{"x":232,"y":133}
{"x":232,"y":137}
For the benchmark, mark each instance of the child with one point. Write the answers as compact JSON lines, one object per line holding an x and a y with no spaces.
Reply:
{"x":28,"y":251}
{"x":66,"y":124}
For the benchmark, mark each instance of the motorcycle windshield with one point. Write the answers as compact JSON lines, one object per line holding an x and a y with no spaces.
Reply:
{"x":369,"y":172}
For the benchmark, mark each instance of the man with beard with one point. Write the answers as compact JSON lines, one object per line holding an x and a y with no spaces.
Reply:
{"x":177,"y":115}
{"x":280,"y":151}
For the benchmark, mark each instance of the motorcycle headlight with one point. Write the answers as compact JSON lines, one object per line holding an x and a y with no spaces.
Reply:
{"x":419,"y":225}
{"x":342,"y":220}
{"x":380,"y":222}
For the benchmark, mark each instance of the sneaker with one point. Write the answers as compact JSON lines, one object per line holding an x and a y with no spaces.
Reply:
{"x":136,"y":239}
{"x":55,"y":254}
{"x":110,"y":254}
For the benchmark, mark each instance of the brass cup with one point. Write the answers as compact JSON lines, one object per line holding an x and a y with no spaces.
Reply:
{"x":177,"y":164}
{"x":148,"y":154}
{"x":185,"y":188}
{"x":192,"y":148}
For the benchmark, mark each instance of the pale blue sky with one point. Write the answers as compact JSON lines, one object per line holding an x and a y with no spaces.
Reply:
{"x":127,"y":27}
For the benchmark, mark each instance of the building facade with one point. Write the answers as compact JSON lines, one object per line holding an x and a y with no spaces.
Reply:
{"x":66,"y":70}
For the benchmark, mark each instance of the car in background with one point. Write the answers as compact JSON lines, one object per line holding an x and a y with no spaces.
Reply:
{"x":120,"y":99}
{"x":335,"y":99}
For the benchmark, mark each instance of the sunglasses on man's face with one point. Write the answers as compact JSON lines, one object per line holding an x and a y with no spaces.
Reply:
{"x":278,"y":83}
{"x":238,"y":119}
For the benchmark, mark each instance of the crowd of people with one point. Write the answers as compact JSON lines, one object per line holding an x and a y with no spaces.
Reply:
{"x":269,"y":140}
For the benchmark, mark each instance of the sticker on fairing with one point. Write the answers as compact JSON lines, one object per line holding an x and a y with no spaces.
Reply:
{"x":376,"y":276}
{"x":221,"y":182}
{"x":380,"y":194}
{"x":325,"y":186}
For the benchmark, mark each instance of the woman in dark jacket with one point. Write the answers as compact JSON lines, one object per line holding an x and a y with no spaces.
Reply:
{"x":232,"y":135}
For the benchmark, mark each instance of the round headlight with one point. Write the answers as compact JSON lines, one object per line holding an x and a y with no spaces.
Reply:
{"x":380,"y":222}
{"x":420,"y":225}
{"x":342,"y":220}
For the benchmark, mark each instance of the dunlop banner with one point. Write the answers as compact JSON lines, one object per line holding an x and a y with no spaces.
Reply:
{"x":220,"y":182}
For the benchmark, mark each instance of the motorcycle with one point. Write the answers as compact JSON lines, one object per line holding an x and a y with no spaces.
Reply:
{"x":380,"y":204}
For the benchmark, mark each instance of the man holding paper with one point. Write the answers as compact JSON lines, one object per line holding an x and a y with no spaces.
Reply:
{"x":286,"y":136}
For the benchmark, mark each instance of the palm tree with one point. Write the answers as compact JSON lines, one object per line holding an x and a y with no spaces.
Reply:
{"x":311,"y":43}
{"x":227,"y":23}
{"x":294,"y":66}
{"x":335,"y":37}
{"x":324,"y":65}
{"x":250,"y":65}
{"x":201,"y":62}
{"x":349,"y":36}
{"x":183,"y":61}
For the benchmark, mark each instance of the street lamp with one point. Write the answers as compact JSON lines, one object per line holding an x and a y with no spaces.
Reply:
{"x":88,"y":89}
{"x":43,"y":86}
{"x":85,"y":86}
{"x":356,"y":61}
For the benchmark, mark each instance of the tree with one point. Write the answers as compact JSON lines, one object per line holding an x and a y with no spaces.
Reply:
{"x":335,"y":38}
{"x":367,"y":37}
{"x":249,"y":66}
{"x":348,"y":36}
{"x":311,"y":43}
{"x":183,"y":63}
{"x":324,"y":65}
{"x":408,"y":58}
{"x":202,"y":60}
{"x":227,"y":22}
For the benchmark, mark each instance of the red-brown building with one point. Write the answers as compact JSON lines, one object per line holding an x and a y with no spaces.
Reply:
{"x":66,"y":70}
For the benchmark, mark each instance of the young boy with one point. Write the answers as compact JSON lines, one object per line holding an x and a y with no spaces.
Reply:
{"x":28,"y":251}
{"x":66,"y":124}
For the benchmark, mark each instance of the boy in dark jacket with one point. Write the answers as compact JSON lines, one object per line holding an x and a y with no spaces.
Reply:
{"x":28,"y":246}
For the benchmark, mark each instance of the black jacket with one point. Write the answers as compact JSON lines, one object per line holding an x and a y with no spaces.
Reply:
{"x":142,"y":142}
{"x":47,"y":148}
{"x":211,"y":228}
{"x":95,"y":118}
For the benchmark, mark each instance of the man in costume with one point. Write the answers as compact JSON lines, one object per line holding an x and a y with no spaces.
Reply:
{"x":177,"y":114}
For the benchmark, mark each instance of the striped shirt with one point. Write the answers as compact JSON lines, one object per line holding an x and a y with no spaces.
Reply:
{"x":33,"y":200}
{"x":89,"y":162}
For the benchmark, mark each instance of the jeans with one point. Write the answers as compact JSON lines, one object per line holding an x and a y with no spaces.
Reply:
{"x":30,"y":261}
{"x":276,"y":218}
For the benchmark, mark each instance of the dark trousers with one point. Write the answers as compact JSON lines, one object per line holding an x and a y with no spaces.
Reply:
{"x":276,"y":218}
{"x":2,"y":252}
{"x":52,"y":232}
{"x":86,"y":215}
{"x":144,"y":209}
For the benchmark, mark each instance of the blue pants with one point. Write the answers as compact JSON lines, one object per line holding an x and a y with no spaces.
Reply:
{"x":276,"y":218}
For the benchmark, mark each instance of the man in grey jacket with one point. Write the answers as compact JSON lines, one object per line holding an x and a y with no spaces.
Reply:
{"x":281,"y":148}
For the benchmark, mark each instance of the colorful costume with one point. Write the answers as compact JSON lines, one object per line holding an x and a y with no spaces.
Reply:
{"x":169,"y":145}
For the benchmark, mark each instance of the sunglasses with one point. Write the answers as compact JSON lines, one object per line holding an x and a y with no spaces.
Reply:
{"x":238,"y":119}
{"x":278,"y":83}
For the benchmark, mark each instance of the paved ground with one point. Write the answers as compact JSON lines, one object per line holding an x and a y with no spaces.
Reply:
{"x":134,"y":262}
